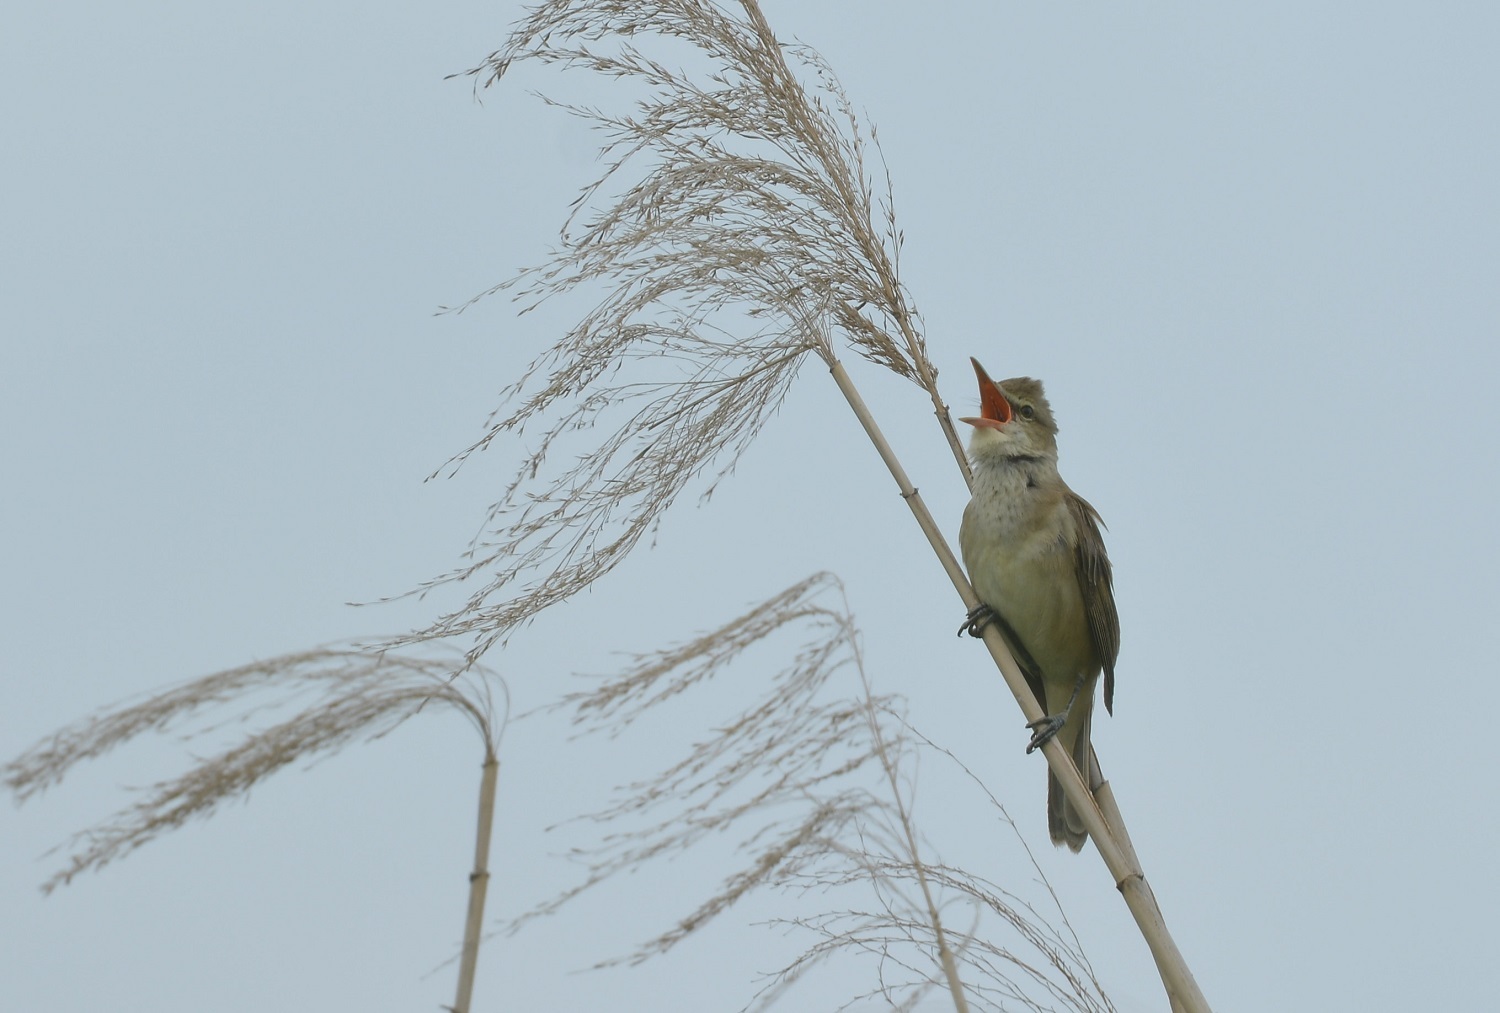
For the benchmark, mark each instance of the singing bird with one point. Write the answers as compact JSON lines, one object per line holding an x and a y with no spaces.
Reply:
{"x":1037,"y":562}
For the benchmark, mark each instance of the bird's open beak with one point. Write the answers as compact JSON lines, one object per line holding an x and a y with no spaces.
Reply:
{"x":994,"y":409}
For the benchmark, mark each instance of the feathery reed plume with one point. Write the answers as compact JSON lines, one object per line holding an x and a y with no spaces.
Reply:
{"x":335,"y":694}
{"x":791,"y":741}
{"x":747,"y":212}
{"x":341,"y":694}
{"x":814,"y":779}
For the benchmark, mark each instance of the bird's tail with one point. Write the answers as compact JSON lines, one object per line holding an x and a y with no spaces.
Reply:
{"x":1064,"y":823}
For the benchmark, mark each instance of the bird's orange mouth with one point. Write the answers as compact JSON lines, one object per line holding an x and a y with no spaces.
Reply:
{"x":994,"y":409}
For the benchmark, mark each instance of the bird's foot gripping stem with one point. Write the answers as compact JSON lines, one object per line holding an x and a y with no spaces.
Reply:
{"x":979,"y":617}
{"x":1043,"y":729}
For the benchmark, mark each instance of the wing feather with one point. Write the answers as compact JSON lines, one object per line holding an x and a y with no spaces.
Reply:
{"x":1096,"y":582}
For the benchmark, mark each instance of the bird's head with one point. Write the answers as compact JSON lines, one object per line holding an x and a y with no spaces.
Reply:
{"x":1014,"y":420}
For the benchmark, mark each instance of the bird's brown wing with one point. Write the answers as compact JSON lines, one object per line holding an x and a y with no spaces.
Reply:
{"x":1096,"y":581}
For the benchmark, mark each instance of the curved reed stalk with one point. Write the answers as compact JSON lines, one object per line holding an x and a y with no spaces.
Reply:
{"x":335,"y":695}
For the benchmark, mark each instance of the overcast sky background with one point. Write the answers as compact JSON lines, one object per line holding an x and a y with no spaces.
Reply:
{"x":1252,"y":249}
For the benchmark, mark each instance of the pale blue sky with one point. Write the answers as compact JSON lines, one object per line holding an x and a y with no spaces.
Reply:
{"x":1252,"y":250}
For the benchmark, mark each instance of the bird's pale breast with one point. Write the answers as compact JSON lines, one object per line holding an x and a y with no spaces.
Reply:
{"x":1016,"y":541}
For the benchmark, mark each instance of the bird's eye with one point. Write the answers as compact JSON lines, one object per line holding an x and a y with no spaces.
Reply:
{"x":1027,"y":411}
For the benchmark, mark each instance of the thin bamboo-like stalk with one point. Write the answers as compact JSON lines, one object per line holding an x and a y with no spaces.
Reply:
{"x":945,"y":952}
{"x":1119,"y":858}
{"x":479,"y":881}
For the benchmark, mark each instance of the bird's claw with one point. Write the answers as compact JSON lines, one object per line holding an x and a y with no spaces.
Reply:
{"x":979,"y":617}
{"x":1043,"y":729}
